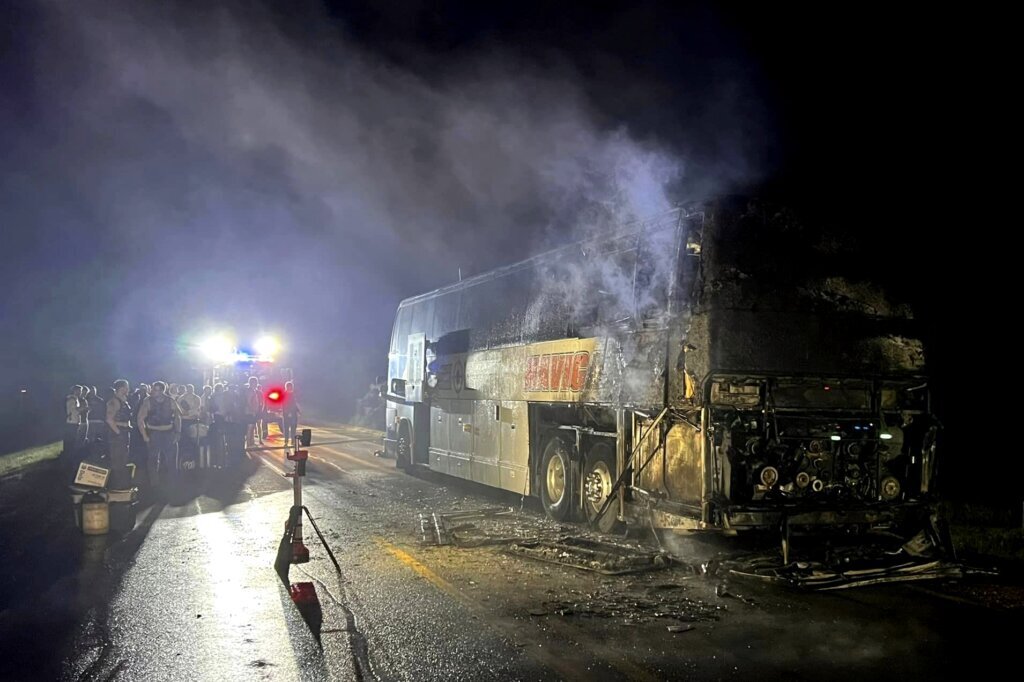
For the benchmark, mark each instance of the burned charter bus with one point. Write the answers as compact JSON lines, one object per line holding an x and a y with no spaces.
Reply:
{"x":718,"y":368}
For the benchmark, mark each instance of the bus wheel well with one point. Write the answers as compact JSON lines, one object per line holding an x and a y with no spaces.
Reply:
{"x":556,"y":476}
{"x":598,"y":478}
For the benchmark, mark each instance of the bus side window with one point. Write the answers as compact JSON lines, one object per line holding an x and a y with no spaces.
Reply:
{"x":446,"y":315}
{"x":422,"y":317}
{"x":402,"y":329}
{"x":493,"y":311}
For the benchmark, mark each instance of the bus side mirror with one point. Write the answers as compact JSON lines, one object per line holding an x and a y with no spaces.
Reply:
{"x":398,"y":387}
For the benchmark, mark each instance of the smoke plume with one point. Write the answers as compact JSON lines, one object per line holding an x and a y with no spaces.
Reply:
{"x":208,"y":167}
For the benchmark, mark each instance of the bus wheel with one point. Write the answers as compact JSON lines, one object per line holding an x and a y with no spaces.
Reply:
{"x":598,"y":479}
{"x":403,"y":449}
{"x":556,"y":479}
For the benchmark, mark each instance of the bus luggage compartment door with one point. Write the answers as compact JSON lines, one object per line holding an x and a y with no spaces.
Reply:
{"x":514,"y":460}
{"x":486,"y":445}
{"x":460,"y":429}
{"x":440,"y":441}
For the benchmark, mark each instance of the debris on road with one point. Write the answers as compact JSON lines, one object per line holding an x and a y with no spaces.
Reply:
{"x":818,"y":576}
{"x":637,"y":605}
{"x":725,"y":592}
{"x":851,"y":566}
{"x":602,"y":557}
{"x":450,"y":528}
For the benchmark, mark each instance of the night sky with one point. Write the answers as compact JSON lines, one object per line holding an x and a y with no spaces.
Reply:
{"x":172,"y":169}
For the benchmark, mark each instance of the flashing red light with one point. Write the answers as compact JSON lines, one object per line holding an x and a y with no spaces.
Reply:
{"x":275,"y":396}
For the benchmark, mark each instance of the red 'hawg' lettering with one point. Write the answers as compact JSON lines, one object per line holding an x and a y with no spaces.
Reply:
{"x":531,"y":371}
{"x":557,"y":372}
{"x":580,"y":364}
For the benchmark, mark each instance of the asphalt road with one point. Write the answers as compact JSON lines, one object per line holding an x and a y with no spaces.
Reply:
{"x":191,"y":595}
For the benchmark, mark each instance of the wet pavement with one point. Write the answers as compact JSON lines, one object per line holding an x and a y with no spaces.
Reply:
{"x":192,"y":594}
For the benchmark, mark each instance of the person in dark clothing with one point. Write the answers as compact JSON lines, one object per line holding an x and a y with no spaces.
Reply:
{"x":237,"y":424}
{"x":160,"y":424}
{"x":98,"y":433}
{"x":289,"y":414}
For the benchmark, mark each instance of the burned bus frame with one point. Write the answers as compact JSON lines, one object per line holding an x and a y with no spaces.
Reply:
{"x":678,"y":373}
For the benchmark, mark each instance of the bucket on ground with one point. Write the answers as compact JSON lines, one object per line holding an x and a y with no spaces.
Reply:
{"x":95,"y":514}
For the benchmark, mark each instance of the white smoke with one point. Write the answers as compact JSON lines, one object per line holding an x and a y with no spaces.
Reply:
{"x":447,"y":170}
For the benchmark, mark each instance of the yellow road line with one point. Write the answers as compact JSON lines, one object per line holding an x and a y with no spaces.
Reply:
{"x":359,"y":460}
{"x":266,"y":462}
{"x":342,"y":428}
{"x":329,"y":463}
{"x":546,"y":656}
{"x":420,"y":569}
{"x":265,"y":459}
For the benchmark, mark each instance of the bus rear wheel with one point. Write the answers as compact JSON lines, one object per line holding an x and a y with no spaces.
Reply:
{"x":556,"y":479}
{"x":598,"y":479}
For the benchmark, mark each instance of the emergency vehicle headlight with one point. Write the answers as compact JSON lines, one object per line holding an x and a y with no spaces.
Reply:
{"x":266,"y":346}
{"x":217,"y":348}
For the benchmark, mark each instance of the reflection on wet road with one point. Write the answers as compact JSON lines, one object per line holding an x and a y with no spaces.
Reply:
{"x":198,"y":598}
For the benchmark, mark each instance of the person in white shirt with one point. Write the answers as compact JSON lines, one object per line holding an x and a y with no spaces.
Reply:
{"x":73,"y":418}
{"x":253,"y":405}
{"x":190,"y":405}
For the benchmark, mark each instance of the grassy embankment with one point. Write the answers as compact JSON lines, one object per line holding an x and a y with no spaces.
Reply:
{"x":14,"y":461}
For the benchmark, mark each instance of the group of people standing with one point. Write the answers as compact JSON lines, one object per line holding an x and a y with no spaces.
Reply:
{"x":166,"y":428}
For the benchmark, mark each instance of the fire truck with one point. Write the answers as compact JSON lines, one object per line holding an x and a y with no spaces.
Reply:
{"x":239,"y":370}
{"x":718,"y":368}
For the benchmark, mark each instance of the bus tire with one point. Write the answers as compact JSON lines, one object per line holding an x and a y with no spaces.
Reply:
{"x":598,"y":479}
{"x":556,"y":478}
{"x":403,"y":449}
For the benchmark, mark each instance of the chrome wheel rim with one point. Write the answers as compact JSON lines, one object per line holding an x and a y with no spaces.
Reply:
{"x":598,"y":483}
{"x":555,"y":478}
